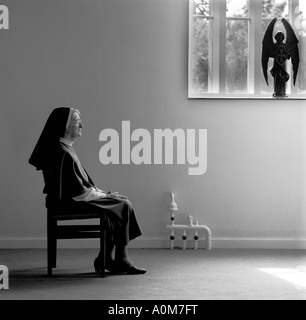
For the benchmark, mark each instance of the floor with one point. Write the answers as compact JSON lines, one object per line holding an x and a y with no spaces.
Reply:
{"x":172,"y":275}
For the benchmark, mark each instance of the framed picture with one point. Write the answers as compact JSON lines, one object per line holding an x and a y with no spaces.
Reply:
{"x":225,"y":48}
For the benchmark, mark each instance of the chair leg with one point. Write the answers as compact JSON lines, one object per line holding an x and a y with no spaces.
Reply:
{"x":50,"y":256}
{"x":102,"y":244}
{"x":51,"y":244}
{"x":54,"y":253}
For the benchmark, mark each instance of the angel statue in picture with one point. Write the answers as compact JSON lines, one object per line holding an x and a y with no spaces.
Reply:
{"x":281,"y":44}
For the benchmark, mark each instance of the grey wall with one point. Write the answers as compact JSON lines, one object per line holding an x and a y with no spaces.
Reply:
{"x":121,"y":60}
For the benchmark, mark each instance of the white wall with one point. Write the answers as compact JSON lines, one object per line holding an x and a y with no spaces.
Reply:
{"x":121,"y":60}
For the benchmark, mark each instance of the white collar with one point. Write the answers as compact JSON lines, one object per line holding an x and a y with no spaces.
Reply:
{"x":66,"y":141}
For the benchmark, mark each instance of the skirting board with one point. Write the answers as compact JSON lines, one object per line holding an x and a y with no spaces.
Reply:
{"x":146,"y":243}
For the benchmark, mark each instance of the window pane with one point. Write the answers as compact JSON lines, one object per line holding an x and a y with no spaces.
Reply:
{"x":201,"y":7}
{"x":237,"y":54}
{"x":237,"y":8}
{"x":202,"y":55}
{"x":275,"y":9}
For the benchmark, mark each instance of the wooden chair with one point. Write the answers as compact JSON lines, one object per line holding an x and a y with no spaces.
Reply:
{"x":57,"y":231}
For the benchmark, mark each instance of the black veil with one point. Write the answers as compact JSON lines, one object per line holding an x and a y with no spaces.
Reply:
{"x":48,"y":142}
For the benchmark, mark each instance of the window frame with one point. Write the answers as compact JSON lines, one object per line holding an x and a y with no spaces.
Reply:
{"x":218,"y":83}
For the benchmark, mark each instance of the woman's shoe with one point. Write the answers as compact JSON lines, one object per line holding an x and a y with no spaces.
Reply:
{"x":122,"y":268}
{"x":135,"y":270}
{"x":108,"y":265}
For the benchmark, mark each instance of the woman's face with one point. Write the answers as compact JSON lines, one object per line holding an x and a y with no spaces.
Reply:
{"x":75,"y":126}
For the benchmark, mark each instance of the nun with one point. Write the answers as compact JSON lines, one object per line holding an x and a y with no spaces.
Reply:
{"x":68,"y":186}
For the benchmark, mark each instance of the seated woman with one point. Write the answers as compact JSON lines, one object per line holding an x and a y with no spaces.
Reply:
{"x":69,"y":186}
